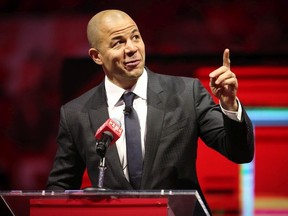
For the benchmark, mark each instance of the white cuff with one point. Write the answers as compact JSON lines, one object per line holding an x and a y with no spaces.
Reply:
{"x":235,"y":115}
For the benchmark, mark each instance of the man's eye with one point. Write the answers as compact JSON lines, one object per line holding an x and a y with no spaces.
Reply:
{"x":136,"y":37}
{"x":117,"y":43}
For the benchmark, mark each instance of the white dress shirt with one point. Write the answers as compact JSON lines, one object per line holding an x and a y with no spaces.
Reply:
{"x":116,"y":106}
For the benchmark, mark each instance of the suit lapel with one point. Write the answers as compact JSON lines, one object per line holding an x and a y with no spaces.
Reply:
{"x":98,"y":114}
{"x":155,"y":115}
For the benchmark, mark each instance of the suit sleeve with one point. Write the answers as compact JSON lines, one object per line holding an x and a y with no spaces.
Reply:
{"x":68,"y":166}
{"x":233,"y":139}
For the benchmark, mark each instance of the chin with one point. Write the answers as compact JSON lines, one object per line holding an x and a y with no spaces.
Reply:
{"x":135,"y":73}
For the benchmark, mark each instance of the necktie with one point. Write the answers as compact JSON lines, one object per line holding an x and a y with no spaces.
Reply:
{"x":133,"y":141}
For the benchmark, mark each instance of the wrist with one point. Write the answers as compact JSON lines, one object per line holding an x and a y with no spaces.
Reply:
{"x":231,"y":106}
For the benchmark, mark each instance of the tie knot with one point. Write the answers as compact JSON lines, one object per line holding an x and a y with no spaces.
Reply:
{"x":128,"y":98}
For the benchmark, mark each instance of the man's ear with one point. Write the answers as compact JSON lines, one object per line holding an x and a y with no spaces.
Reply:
{"x":94,"y":54}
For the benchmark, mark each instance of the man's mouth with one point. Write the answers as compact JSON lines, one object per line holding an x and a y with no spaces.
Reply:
{"x":132,"y":64}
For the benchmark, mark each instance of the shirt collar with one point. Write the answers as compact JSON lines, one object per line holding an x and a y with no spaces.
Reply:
{"x":114,"y":92}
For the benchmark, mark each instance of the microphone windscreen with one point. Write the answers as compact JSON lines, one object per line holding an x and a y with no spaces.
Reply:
{"x":112,"y":127}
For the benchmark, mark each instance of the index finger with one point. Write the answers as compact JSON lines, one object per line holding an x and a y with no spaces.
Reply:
{"x":226,"y":58}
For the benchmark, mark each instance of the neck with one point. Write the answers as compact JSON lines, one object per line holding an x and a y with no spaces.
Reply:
{"x":124,"y":84}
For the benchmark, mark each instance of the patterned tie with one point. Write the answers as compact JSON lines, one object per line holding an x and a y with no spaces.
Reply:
{"x":133,"y":141}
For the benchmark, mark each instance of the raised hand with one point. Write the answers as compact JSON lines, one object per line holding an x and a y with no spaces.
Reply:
{"x":224,"y":84}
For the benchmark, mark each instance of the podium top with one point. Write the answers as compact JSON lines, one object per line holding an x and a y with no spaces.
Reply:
{"x":121,"y":193}
{"x":19,"y":201}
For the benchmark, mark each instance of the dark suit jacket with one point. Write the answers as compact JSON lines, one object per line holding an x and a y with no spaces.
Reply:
{"x":179,"y":111}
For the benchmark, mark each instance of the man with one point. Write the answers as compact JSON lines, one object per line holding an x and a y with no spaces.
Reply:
{"x":173,"y":113}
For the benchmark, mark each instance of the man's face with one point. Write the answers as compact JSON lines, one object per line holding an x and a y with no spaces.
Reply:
{"x":121,"y":51}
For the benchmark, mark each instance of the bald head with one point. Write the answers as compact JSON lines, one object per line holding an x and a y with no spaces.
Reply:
{"x":101,"y":24}
{"x":117,"y":45}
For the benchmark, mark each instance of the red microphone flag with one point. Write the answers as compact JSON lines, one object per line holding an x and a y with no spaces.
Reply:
{"x":111,"y":126}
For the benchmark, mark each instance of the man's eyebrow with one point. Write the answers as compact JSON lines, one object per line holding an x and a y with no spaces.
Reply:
{"x":117,"y":37}
{"x":135,"y":30}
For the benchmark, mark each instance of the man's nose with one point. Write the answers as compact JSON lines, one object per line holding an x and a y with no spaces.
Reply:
{"x":130,"y":47}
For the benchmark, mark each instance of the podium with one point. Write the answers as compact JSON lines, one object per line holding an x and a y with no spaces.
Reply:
{"x":107,"y":203}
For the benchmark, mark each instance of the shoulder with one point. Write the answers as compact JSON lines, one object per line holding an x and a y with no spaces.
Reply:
{"x":87,"y":99}
{"x":171,"y":81}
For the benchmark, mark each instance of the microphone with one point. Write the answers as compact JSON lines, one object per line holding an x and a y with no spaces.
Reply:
{"x":107,"y":135}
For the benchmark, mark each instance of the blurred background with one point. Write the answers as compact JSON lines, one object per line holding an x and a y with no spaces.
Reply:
{"x":44,"y":63}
